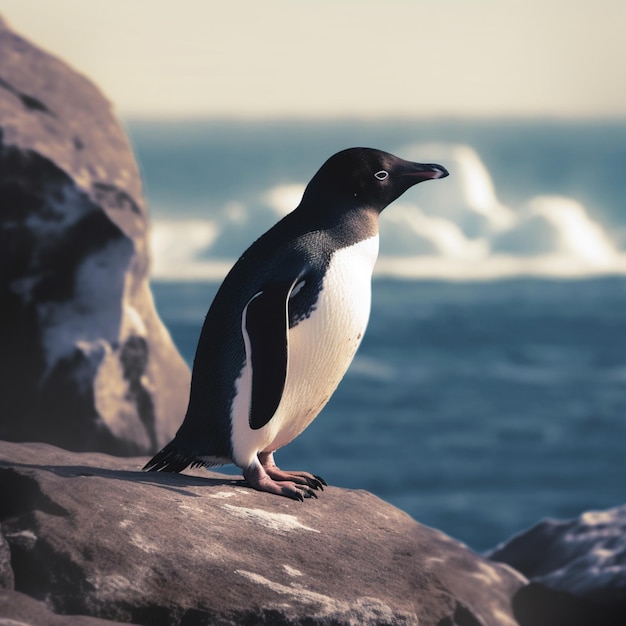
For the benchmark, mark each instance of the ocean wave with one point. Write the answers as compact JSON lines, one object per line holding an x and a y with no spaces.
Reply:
{"x":370,"y":368}
{"x":458,"y":230}
{"x":284,"y":198}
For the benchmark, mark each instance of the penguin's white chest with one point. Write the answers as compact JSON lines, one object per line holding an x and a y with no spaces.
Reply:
{"x":322,"y":346}
{"x":320,"y":349}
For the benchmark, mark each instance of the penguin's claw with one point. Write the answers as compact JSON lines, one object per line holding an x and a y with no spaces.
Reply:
{"x":303,"y":480}
{"x":258,"y":479}
{"x":266,"y":476}
{"x":294,"y":491}
{"x":315,"y":483}
{"x":295,"y":495}
{"x":300,"y":478}
{"x":306,"y":491}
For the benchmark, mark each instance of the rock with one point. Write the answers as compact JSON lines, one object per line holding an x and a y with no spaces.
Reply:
{"x":85,"y":362}
{"x":578,"y":565}
{"x":90,"y":534}
{"x":17,"y":609}
{"x":538,"y":605}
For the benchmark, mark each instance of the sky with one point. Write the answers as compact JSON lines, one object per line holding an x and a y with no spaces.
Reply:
{"x":356,"y":58}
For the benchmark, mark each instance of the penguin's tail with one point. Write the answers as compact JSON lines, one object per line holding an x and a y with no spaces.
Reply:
{"x":172,"y":459}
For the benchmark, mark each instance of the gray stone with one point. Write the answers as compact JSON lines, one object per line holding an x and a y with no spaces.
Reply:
{"x":6,"y":573}
{"x":91,"y":534}
{"x":85,"y":362}
{"x":17,"y":609}
{"x":583,"y":558}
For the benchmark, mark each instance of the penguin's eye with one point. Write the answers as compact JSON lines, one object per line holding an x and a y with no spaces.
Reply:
{"x":381,"y":175}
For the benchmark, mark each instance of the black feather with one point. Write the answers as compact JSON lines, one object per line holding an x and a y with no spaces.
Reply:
{"x":171,"y":459}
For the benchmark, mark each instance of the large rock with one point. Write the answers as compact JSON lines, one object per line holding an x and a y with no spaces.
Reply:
{"x":577,"y":565}
{"x":85,"y":361}
{"x":90,"y":534}
{"x":18,"y":609}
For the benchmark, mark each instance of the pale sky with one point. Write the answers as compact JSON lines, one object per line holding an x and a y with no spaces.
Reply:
{"x":359,"y":58}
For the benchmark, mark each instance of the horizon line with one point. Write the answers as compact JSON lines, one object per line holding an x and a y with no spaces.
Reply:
{"x":364,"y":118}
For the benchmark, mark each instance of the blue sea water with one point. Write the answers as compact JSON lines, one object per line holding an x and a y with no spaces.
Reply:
{"x":479,"y":401}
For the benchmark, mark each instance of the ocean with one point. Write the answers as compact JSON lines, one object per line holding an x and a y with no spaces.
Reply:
{"x":490,"y":389}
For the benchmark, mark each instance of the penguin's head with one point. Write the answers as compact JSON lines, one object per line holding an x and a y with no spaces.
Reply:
{"x":368,"y":178}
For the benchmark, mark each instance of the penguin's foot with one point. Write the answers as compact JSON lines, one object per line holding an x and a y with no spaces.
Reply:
{"x":300,"y":478}
{"x":258,"y":479}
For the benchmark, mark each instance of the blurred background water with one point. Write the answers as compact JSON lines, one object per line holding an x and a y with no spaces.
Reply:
{"x":489,"y":390}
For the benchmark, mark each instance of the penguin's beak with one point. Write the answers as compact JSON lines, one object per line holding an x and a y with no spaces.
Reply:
{"x":418,"y":172}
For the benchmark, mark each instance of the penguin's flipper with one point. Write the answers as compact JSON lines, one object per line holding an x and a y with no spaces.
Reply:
{"x":266,"y":324}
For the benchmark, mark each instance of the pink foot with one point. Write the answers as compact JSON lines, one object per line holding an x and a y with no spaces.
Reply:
{"x":258,"y":479}
{"x":300,"y":478}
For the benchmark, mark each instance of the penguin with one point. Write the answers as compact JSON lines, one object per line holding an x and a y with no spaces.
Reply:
{"x":286,"y":323}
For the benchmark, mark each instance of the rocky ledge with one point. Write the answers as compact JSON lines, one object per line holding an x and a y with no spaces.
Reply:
{"x":87,"y":538}
{"x":90,"y":534}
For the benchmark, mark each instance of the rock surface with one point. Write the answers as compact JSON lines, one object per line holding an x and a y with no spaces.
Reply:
{"x":583,"y":558}
{"x":90,"y":534}
{"x":17,"y":609}
{"x":85,"y":361}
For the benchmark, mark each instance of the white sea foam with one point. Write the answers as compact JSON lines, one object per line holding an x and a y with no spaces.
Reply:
{"x":445,"y":236}
{"x":284,"y":198}
{"x":177,"y":247}
{"x":472,"y":189}
{"x":578,"y":234}
{"x":493,"y":268}
{"x":459,"y":231}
